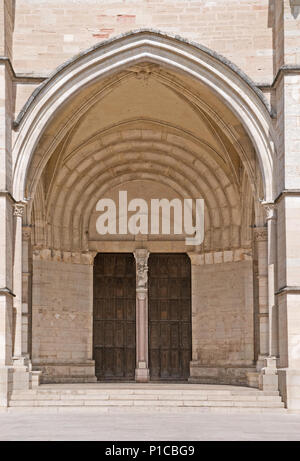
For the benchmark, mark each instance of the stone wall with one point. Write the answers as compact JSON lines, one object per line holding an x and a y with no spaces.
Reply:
{"x":62,"y":320}
{"x":223,"y":335}
{"x":222,"y":320}
{"x":47,"y":33}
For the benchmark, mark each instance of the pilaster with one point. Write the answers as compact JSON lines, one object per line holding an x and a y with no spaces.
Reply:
{"x":271,"y":217}
{"x":287,"y":177}
{"x":268,"y":378}
{"x":6,"y":204}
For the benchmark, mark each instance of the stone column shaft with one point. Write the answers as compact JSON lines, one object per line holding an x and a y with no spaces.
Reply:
{"x":17,"y":276}
{"x":261,"y":243}
{"x":268,"y":378}
{"x":26,"y":289}
{"x":142,"y":361}
{"x":272,"y":279}
{"x":6,"y":202}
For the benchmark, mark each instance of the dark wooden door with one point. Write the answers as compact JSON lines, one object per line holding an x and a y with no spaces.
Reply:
{"x":170,"y":333}
{"x":114,"y":316}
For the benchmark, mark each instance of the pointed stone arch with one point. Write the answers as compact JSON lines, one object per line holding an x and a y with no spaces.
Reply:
{"x":229,"y":85}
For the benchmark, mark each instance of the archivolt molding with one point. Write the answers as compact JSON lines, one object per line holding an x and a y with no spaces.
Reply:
{"x":39,"y":216}
{"x":115,"y":157}
{"x":168,"y":52}
{"x":62,"y":132}
{"x":207,"y":112}
{"x":91,"y":170}
{"x":41,"y":159}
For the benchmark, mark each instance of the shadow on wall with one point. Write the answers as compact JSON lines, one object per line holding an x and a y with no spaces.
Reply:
{"x":295,"y":8}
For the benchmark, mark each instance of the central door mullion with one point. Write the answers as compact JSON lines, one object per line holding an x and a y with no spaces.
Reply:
{"x":142,"y":360}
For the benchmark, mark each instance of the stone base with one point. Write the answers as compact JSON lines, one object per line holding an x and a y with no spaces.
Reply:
{"x":17,"y":377}
{"x":142,"y":375}
{"x":289,"y":387}
{"x":6,"y":384}
{"x":253,"y":379}
{"x":261,"y":362}
{"x":21,"y":377}
{"x":219,"y":375}
{"x":268,"y":378}
{"x":67,"y":372}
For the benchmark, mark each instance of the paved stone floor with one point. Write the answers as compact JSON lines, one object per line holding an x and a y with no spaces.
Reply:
{"x":20,"y":425}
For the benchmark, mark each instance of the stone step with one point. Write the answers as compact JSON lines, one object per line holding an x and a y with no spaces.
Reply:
{"x":153,"y":397}
{"x":148,"y":403}
{"x":43,"y":391}
{"x":88,"y":409}
{"x":113,"y":396}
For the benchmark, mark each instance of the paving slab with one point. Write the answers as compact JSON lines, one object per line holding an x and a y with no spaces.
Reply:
{"x":85,"y":425}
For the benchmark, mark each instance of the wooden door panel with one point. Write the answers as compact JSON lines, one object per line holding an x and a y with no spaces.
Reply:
{"x":154,"y":360}
{"x":185,"y":335}
{"x":163,"y":307}
{"x":130,"y":336}
{"x":120,"y":340}
{"x":175,"y":336}
{"x":165,"y":363}
{"x":154,"y":335}
{"x":108,"y":361}
{"x":108,"y":334}
{"x":175,"y":364}
{"x":155,"y":311}
{"x":170,"y":330}
{"x":165,"y":335}
{"x":114,"y":338}
{"x":130,"y":309}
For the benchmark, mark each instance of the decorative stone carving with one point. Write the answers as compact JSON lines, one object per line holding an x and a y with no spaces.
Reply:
{"x":141,"y":257}
{"x":26,"y":232}
{"x":143,"y":72}
{"x":19,"y":210}
{"x":271,"y":210}
{"x":260,"y":234}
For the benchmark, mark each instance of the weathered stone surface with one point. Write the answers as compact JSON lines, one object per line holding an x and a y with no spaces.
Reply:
{"x":146,"y":107}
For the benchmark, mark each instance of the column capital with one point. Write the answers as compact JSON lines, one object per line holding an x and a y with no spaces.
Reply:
{"x":141,"y":256}
{"x":270,"y":209}
{"x":19,"y":209}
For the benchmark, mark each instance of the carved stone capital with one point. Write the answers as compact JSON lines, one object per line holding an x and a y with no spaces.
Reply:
{"x":141,"y":258}
{"x":260,"y":234}
{"x":19,"y":210}
{"x":271,"y":210}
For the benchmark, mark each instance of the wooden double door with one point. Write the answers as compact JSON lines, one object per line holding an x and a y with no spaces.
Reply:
{"x":169,"y":316}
